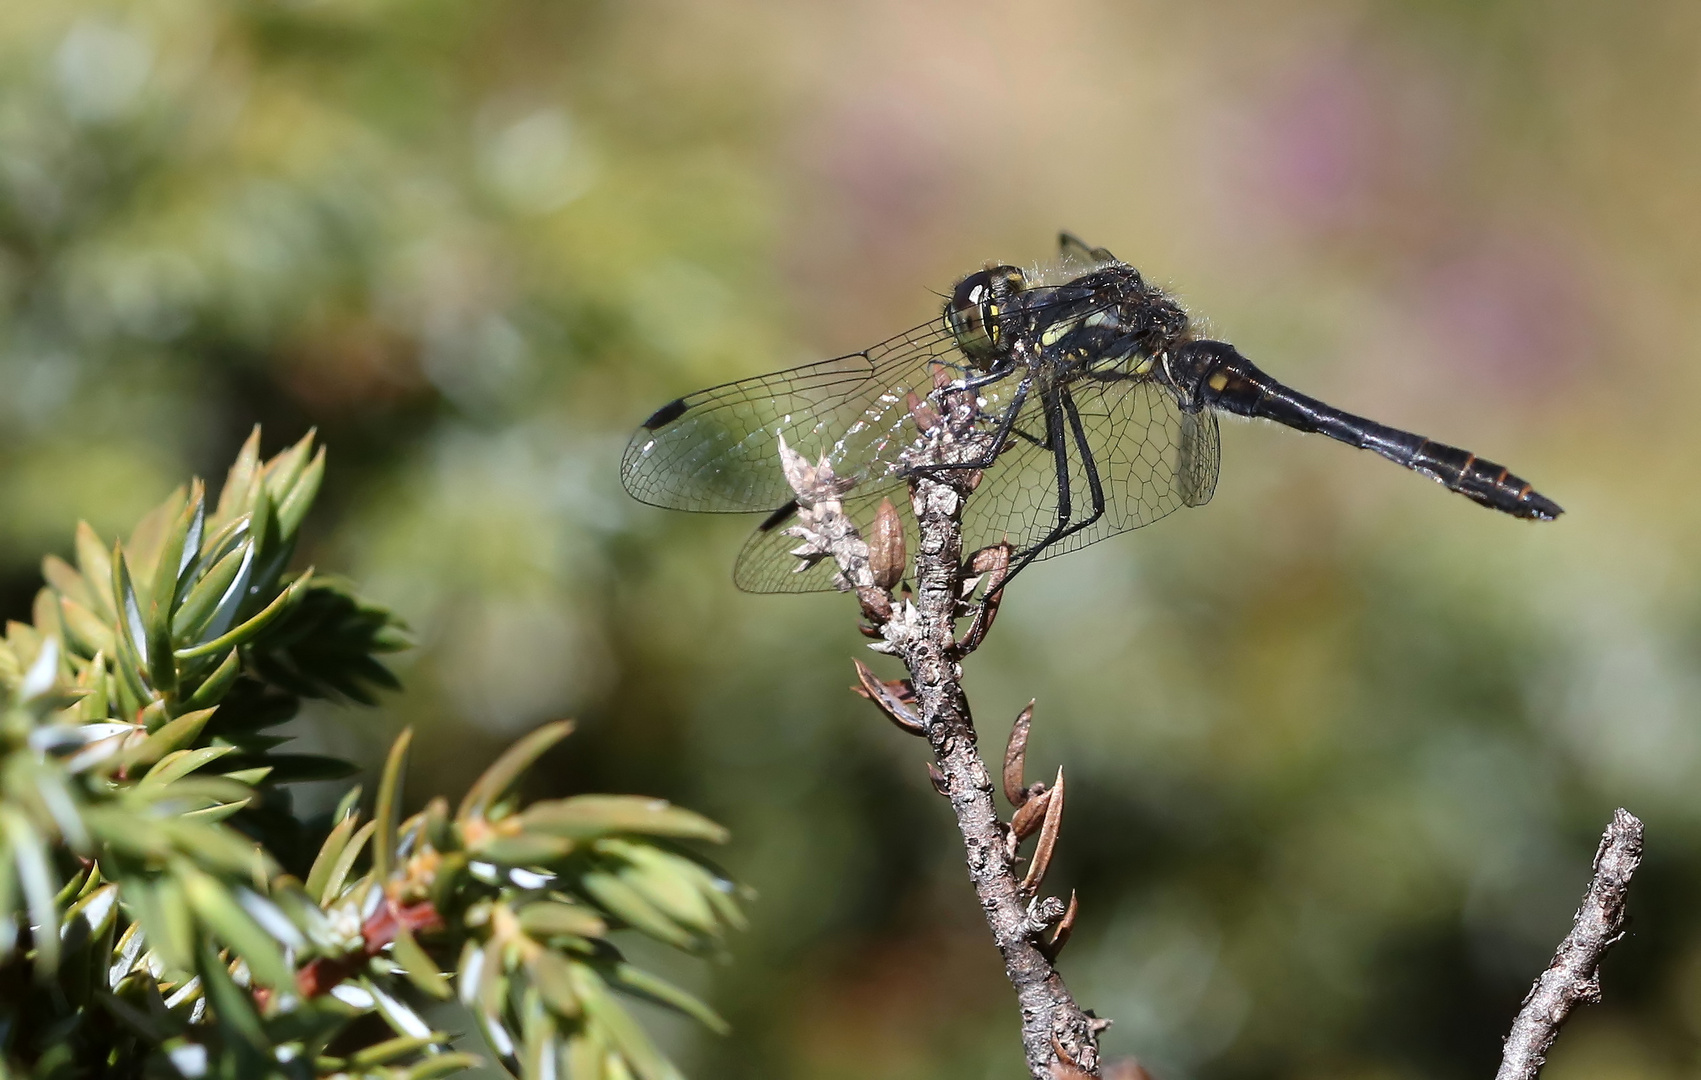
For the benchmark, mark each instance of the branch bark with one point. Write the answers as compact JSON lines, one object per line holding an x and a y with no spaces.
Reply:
{"x":1060,"y":1040}
{"x":1574,"y":976}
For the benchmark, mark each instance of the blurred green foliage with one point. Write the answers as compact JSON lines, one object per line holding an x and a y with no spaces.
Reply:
{"x":148,"y":926}
{"x":1339,"y":744}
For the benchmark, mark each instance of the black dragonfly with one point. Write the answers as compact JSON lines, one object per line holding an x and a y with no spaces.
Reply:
{"x":1094,"y":401}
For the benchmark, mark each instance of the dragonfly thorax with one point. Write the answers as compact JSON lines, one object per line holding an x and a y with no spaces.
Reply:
{"x":1109,"y":319}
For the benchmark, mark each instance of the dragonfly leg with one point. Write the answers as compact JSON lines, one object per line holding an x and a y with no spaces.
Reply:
{"x":1060,"y":455}
{"x":1000,"y":371}
{"x":1031,"y":438}
{"x":1059,"y":446}
{"x":1056,"y":442}
{"x":1006,"y":424}
{"x":1094,"y":484}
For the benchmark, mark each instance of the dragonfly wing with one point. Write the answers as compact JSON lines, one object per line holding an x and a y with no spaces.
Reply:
{"x":1079,"y":253}
{"x":1199,"y":457}
{"x":717,"y":451}
{"x":1152,"y":457}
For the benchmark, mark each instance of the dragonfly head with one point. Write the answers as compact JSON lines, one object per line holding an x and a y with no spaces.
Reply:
{"x":979,"y":312}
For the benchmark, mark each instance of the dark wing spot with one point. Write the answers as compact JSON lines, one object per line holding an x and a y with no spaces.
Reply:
{"x":778,"y":517}
{"x":667,"y":414}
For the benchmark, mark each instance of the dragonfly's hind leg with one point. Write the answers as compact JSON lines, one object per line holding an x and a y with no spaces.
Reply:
{"x":1095,"y":485}
{"x":1059,"y":445}
{"x":1065,"y":510}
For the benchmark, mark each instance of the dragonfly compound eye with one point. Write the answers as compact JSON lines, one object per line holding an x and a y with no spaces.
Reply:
{"x":981,"y":307}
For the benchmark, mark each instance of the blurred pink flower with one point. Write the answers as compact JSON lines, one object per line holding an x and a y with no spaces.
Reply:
{"x":1512,"y":305}
{"x":1344,"y":140}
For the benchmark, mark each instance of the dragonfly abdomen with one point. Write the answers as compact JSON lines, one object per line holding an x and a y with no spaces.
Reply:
{"x":1222,"y":378}
{"x":1483,"y":481}
{"x":1487,"y":482}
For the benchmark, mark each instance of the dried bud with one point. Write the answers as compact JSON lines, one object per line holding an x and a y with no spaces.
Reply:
{"x":895,"y":698}
{"x":940,"y":784}
{"x":993,"y":565}
{"x":1066,"y":1067}
{"x":1047,"y":842}
{"x":876,"y":608}
{"x":813,"y":483}
{"x":1032,"y":811}
{"x":886,"y":554}
{"x":927,"y":418}
{"x":1044,"y":914}
{"x":1065,"y":927}
{"x":1015,"y":754}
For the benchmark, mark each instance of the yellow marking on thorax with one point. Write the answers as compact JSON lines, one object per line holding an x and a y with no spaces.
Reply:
{"x":1054,"y":333}
{"x":1218,"y":381}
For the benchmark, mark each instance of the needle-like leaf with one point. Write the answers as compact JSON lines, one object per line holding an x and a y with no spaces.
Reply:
{"x":586,"y":817}
{"x":248,"y":630}
{"x":388,"y":807}
{"x":420,"y":969}
{"x":621,"y":1029}
{"x":507,"y":768}
{"x":35,"y":875}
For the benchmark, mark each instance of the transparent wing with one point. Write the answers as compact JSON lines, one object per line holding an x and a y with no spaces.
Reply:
{"x":1077,"y":252}
{"x":717,"y":450}
{"x":1152,"y":457}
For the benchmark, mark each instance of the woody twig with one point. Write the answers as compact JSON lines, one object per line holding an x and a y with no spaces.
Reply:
{"x":919,"y":628}
{"x":1574,"y":976}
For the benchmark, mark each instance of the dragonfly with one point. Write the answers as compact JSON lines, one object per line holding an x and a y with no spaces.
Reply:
{"x":1094,"y":406}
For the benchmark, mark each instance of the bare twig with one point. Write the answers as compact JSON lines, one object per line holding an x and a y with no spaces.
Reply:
{"x":1053,"y":1026}
{"x":1574,"y":976}
{"x":1058,"y":1038}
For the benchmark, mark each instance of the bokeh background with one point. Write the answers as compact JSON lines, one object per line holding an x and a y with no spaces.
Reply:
{"x":1339,"y":744}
